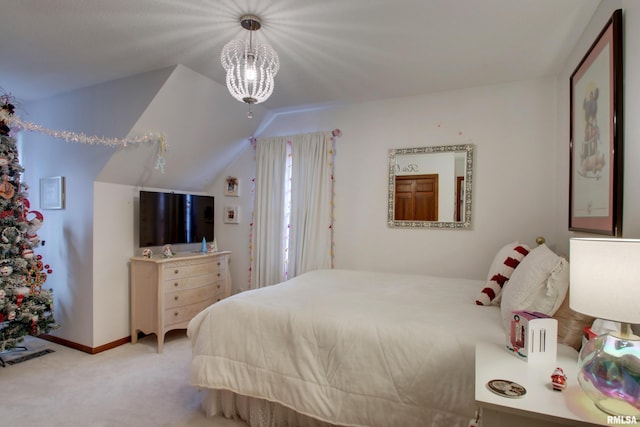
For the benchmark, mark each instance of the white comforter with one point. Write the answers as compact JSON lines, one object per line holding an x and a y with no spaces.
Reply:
{"x":350,"y":348}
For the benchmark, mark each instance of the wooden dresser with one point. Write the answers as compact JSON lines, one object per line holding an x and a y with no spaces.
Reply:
{"x":166,"y":293}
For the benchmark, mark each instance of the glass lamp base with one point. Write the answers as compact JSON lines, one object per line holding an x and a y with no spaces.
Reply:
{"x":609,"y":373}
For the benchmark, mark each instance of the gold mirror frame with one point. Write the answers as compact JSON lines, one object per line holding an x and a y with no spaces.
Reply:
{"x":465,"y":223}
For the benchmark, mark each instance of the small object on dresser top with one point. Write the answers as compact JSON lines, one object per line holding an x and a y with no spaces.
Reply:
{"x":506,"y":388}
{"x":147,"y":253}
{"x":167,"y":252}
{"x":558,"y":379}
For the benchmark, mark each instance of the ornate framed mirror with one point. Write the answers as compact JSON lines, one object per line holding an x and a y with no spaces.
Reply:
{"x":431,"y":187}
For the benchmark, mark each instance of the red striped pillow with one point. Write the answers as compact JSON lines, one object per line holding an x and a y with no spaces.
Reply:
{"x":503,"y":265}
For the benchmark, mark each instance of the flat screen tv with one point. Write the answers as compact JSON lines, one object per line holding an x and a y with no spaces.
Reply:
{"x":172,"y":218}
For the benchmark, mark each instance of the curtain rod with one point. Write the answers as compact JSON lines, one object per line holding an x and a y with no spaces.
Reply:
{"x":336,"y":133}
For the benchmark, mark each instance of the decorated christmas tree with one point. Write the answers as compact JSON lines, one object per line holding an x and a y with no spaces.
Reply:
{"x":25,"y":307}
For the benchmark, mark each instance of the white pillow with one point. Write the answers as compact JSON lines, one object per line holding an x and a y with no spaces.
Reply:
{"x":503,"y":265}
{"x":539,"y":283}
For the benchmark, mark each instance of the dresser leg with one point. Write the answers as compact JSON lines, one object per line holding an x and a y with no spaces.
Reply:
{"x":160,"y":342}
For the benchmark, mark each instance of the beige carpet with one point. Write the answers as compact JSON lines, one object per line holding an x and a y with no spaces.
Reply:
{"x":130,"y":385}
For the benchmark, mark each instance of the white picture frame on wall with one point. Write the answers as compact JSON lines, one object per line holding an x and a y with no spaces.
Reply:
{"x":231,"y":186}
{"x":52,"y":192}
{"x":230,"y":215}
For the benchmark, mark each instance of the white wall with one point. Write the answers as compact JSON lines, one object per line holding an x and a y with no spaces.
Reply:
{"x":235,"y":237}
{"x":201,"y":124}
{"x":631,"y":210}
{"x":513,"y":128}
{"x":113,"y":228}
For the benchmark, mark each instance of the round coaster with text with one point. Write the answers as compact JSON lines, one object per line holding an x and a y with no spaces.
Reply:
{"x":506,"y":388}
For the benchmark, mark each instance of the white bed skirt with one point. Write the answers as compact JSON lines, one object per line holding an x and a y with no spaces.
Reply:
{"x":255,"y":412}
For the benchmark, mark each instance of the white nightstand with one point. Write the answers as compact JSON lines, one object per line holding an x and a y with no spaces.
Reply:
{"x":541,"y":405}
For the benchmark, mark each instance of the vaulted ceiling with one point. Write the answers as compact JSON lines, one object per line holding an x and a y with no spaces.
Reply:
{"x":331,"y":51}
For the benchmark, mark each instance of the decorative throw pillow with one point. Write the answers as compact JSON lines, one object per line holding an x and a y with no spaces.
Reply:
{"x":503,"y":265}
{"x":539,"y":283}
{"x":571,"y":324}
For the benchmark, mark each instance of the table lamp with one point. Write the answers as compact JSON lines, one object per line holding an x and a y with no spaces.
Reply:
{"x":605,"y":283}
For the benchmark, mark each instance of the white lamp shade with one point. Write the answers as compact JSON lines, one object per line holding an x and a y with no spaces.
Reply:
{"x":605,"y":278}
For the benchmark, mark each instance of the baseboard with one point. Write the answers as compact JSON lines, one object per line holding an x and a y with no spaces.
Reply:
{"x":82,"y":347}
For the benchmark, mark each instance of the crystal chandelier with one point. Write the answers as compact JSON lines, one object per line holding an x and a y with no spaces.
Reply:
{"x":250,"y":66}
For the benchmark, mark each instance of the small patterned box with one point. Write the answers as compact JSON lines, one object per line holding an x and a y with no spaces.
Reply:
{"x":533,"y":336}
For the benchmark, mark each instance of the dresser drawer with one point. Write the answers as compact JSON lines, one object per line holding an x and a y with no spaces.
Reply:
{"x":184,"y":283}
{"x":186,"y":312}
{"x":190,"y":296}
{"x":186,"y":268}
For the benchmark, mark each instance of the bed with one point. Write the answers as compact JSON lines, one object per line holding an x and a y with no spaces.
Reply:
{"x":348,"y":348}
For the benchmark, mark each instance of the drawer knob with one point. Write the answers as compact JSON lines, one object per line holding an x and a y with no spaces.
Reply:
{"x":175,"y":298}
{"x":175,"y":284}
{"x":218,"y":274}
{"x":218,"y":262}
{"x":175,"y":314}
{"x":218,"y":286}
{"x":175,"y":271}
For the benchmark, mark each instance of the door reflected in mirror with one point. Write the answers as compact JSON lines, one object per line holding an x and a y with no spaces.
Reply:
{"x":430,"y":186}
{"x":416,"y":198}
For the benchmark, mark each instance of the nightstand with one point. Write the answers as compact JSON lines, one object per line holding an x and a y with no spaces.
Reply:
{"x":541,"y":405}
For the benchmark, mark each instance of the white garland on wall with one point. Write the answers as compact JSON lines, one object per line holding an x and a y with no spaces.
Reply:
{"x":16,"y":122}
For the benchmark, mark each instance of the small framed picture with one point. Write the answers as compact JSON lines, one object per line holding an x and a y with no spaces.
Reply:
{"x":231,"y":185}
{"x":231,"y":215}
{"x":52,"y":192}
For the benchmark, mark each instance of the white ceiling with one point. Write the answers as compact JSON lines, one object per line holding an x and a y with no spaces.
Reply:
{"x":330,"y":50}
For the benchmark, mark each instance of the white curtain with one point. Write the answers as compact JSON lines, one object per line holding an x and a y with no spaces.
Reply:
{"x":310,"y":234}
{"x":267,"y":255}
{"x":292,"y":230}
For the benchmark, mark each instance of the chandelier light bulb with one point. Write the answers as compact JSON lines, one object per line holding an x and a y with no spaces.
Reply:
{"x":250,"y":73}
